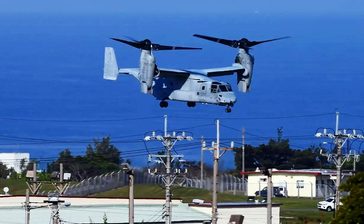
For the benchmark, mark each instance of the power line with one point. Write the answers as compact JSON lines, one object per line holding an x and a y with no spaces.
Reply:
{"x":352,"y":115}
{"x":78,"y":121}
{"x":257,"y":118}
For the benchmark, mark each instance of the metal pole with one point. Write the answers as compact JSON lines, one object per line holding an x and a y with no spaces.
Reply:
{"x":337,"y":123}
{"x":131,"y":196}
{"x":168,"y":146}
{"x":34,"y":176}
{"x":338,"y":176}
{"x":269,"y":197}
{"x":55,"y":214}
{"x":243,"y":160}
{"x":338,"y":165}
{"x":165,"y":125}
{"x":201,"y":165}
{"x":27,"y":207}
{"x":354,"y":162}
{"x":216,"y":168}
{"x":61,"y":172}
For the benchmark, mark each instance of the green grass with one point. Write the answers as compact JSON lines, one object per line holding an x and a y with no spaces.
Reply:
{"x":18,"y":186}
{"x":302,"y":210}
{"x":155,"y":191}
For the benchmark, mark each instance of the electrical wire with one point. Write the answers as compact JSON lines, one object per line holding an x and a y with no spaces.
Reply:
{"x":80,"y":120}
{"x":257,"y":118}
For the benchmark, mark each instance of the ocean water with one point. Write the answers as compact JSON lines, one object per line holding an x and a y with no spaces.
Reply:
{"x":53,"y":96}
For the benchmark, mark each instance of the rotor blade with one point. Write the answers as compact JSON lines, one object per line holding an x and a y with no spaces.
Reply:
{"x":253,"y":43}
{"x":158,"y":47}
{"x":133,"y":44}
{"x":131,"y":38}
{"x":230,"y":43}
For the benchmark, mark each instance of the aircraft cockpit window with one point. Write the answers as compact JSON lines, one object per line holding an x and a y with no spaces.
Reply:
{"x":214,"y":88}
{"x":223,"y":88}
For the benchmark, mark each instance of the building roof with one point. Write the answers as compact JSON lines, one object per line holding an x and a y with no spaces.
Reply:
{"x":314,"y":172}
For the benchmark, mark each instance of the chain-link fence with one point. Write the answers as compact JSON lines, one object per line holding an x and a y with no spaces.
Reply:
{"x":105,"y":182}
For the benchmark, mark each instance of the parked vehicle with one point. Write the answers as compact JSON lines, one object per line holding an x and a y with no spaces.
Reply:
{"x":328,"y":204}
{"x":277,"y":192}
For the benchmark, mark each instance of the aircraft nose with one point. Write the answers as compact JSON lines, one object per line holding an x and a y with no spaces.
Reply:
{"x":228,"y":98}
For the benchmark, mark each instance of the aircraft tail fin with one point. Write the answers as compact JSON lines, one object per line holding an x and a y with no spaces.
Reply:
{"x":111,"y":70}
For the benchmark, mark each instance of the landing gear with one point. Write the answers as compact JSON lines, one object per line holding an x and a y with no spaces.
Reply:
{"x":228,"y":107}
{"x":163,"y":104}
{"x":191,"y":104}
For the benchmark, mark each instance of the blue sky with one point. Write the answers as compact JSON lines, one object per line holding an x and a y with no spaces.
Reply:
{"x":52,"y":59}
{"x":186,"y":7}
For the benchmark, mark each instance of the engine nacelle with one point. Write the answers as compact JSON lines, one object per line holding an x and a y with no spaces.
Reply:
{"x":244,"y":78}
{"x":147,"y":71}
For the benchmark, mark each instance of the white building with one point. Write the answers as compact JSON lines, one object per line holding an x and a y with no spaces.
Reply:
{"x":299,"y":183}
{"x":14,"y":160}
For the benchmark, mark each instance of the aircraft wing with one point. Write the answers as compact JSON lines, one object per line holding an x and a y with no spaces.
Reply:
{"x":220,"y":71}
{"x":173,"y":72}
{"x":129,"y":71}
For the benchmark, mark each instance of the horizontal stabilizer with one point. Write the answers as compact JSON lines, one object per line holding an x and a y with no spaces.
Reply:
{"x":111,"y":70}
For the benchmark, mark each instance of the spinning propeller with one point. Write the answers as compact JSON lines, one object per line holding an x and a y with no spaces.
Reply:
{"x":148,"y":45}
{"x":242,"y":43}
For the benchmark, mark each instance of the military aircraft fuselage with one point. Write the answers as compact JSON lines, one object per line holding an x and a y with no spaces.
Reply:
{"x":195,"y":88}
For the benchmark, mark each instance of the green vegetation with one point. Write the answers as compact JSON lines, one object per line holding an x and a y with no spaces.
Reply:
{"x":100,"y":157}
{"x":278,"y":154}
{"x":352,"y":210}
{"x":18,"y":186}
{"x":302,"y":210}
{"x":155,"y":191}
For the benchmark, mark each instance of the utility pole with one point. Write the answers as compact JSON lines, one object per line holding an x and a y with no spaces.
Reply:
{"x":60,"y":185}
{"x":131,"y":197}
{"x":216,"y":148}
{"x":27,"y":207}
{"x":32,"y":183}
{"x":53,"y":201}
{"x":340,"y":137}
{"x":201,"y":165}
{"x":269,"y":196}
{"x":168,"y":142}
{"x":243,"y":159}
{"x":216,"y":170}
{"x":126,"y":167}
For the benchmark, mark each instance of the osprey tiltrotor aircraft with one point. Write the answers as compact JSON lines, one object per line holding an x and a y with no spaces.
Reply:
{"x":188,"y":85}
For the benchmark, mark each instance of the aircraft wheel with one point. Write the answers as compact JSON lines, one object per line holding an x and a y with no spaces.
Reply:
{"x":228,"y":109}
{"x":191,"y":104}
{"x":163,"y":104}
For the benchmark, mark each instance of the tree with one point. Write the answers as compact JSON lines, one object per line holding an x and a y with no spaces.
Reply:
{"x":4,"y":172}
{"x":352,"y":210}
{"x":278,"y":154}
{"x":275,"y":154}
{"x":100,"y":157}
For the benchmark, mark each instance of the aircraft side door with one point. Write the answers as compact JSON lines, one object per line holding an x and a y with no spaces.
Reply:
{"x":202,"y":91}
